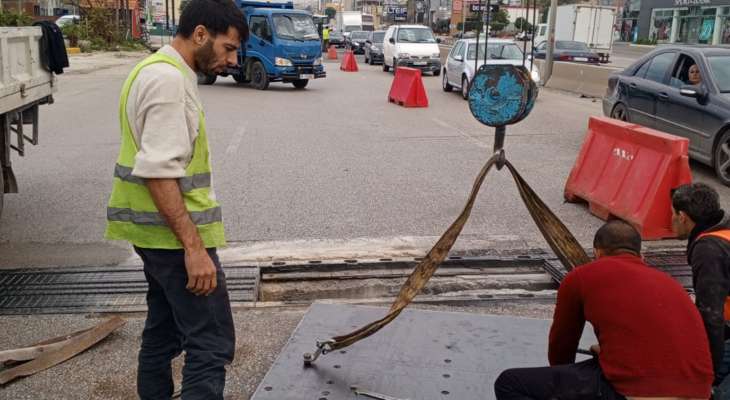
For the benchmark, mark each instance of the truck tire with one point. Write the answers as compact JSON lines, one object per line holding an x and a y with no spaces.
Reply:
{"x":385,"y":66}
{"x":2,"y":190}
{"x":259,"y":79}
{"x":204,"y":79}
{"x":240,"y":78}
{"x":300,"y":83}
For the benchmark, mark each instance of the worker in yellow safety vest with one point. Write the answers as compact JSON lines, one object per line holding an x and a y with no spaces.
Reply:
{"x":326,"y":38}
{"x":163,"y":203}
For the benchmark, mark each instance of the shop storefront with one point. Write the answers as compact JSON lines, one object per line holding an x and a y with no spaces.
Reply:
{"x":686,"y":21}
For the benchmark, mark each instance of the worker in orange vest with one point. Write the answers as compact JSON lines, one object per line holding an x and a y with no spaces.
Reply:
{"x":697,"y":216}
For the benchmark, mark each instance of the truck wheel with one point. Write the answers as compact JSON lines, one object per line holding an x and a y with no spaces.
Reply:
{"x":259,"y":79}
{"x":2,"y":190}
{"x":204,"y":79}
{"x":385,"y":66}
{"x":300,"y":83}
{"x":240,"y":78}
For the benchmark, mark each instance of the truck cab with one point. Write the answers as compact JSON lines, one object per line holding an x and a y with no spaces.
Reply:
{"x":283,"y":46}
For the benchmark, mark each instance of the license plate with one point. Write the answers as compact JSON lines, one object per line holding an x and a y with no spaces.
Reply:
{"x":581,"y":59}
{"x":420,"y":63}
{"x":306,"y":76}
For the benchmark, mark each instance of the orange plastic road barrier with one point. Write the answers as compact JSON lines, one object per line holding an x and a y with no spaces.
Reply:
{"x":627,"y":171}
{"x":349,"y":64}
{"x":332,"y":53}
{"x":407,"y":88}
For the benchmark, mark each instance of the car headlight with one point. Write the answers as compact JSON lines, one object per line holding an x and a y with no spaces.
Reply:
{"x":355,"y":43}
{"x":318,"y":61}
{"x":282,"y":62}
{"x":535,"y":75}
{"x":404,"y":55}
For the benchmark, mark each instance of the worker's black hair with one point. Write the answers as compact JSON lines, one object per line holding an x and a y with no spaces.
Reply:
{"x":217,"y":16}
{"x":616,"y":237}
{"x":699,"y":201}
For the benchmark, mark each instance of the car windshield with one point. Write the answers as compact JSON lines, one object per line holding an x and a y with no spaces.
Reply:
{"x":497,"y":51}
{"x":378,"y":37}
{"x":415,"y":35}
{"x":720,"y":67}
{"x":359,"y":35}
{"x":295,"y":26}
{"x":578,"y":46}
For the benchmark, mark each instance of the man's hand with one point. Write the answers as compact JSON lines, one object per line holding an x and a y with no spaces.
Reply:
{"x":596,"y":349}
{"x":202,"y":276}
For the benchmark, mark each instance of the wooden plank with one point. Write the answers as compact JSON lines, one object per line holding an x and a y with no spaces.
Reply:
{"x":33,"y":351}
{"x":74,"y":347}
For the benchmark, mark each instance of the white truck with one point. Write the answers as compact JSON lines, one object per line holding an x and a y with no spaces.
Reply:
{"x":24,"y":85}
{"x":592,"y":25}
{"x":349,"y":21}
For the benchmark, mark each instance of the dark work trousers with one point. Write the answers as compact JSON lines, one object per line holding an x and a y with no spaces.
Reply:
{"x":178,"y":320}
{"x":583,"y":380}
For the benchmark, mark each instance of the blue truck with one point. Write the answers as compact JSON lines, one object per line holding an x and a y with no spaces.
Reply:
{"x":283,"y":46}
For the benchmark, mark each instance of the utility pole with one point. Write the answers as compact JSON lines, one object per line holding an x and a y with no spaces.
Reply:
{"x":552,"y":17}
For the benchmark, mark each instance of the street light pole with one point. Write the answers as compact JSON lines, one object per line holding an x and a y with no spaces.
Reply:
{"x":552,"y":17}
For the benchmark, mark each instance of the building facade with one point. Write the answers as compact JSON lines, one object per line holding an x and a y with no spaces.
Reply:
{"x":675,"y":21}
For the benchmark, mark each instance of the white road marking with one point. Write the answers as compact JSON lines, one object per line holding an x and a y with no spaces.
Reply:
{"x":463,"y":134}
{"x":235,"y":141}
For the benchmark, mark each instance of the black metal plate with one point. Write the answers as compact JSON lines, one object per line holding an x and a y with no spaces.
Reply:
{"x":96,"y":289}
{"x":422,"y":355}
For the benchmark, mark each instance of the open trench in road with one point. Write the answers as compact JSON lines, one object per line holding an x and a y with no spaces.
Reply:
{"x":459,"y":280}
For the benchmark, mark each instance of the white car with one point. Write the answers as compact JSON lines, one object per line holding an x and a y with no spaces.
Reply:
{"x":411,"y":46}
{"x":460,"y":65}
{"x":67,"y":19}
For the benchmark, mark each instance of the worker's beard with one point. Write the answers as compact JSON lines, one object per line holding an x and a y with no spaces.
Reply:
{"x":205,"y":59}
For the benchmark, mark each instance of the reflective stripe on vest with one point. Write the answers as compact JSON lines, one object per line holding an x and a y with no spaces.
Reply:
{"x":132,"y":214}
{"x":724,"y":235}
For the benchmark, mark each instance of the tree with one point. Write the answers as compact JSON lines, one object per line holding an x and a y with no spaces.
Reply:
{"x":330,"y":12}
{"x":499,"y":20}
{"x":522,"y":24}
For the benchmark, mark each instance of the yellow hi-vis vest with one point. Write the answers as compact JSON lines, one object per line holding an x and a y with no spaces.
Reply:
{"x":132,"y":214}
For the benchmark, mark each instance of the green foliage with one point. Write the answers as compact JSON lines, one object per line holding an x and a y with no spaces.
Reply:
{"x":330,"y":12}
{"x":11,"y":18}
{"x":499,"y":20}
{"x":647,"y":41}
{"x":74,"y":32}
{"x":522,"y":24}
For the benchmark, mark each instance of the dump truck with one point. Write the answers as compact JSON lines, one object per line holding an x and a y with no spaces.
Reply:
{"x":25,"y":85}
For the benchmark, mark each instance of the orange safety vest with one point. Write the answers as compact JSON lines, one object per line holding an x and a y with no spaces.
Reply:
{"x":725,"y":235}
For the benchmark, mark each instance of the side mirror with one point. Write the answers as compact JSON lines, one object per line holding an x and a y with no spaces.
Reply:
{"x":459,"y":58}
{"x":391,"y":40}
{"x":697,"y":92}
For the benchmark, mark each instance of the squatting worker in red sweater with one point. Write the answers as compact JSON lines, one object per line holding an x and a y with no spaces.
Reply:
{"x":651,"y":341}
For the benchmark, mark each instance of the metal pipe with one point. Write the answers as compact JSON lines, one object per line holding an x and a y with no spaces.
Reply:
{"x":552,"y":17}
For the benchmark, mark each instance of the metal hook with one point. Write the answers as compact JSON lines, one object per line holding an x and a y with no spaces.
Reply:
{"x":322,"y":348}
{"x":499,"y":134}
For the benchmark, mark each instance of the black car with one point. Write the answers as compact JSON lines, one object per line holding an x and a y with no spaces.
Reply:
{"x":337,"y":39}
{"x":680,"y":90}
{"x":356,"y":41}
{"x":569,"y":51}
{"x":374,"y":48}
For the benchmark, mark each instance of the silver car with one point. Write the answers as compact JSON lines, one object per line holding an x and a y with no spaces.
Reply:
{"x":460,"y":64}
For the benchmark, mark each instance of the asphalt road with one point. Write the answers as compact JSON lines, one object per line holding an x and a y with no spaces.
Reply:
{"x":333,"y":162}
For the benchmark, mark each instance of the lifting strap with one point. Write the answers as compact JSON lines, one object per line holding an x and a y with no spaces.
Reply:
{"x":558,"y":237}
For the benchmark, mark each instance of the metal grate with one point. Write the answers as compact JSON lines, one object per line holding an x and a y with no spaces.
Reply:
{"x":96,"y":289}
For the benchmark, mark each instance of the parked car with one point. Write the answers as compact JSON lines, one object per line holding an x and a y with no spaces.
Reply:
{"x":460,"y":69}
{"x":411,"y":46}
{"x":569,"y":51}
{"x":659,"y":92}
{"x":356,"y":41}
{"x":337,"y":39}
{"x":67,"y":19}
{"x":523,"y":36}
{"x":374,"y":47}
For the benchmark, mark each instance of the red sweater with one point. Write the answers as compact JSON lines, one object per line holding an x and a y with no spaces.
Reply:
{"x":653,"y":342}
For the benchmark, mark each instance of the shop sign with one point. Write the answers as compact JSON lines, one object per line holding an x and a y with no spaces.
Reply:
{"x":691,"y":2}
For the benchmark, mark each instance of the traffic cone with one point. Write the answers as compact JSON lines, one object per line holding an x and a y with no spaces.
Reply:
{"x":332,"y":53}
{"x":349,"y":64}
